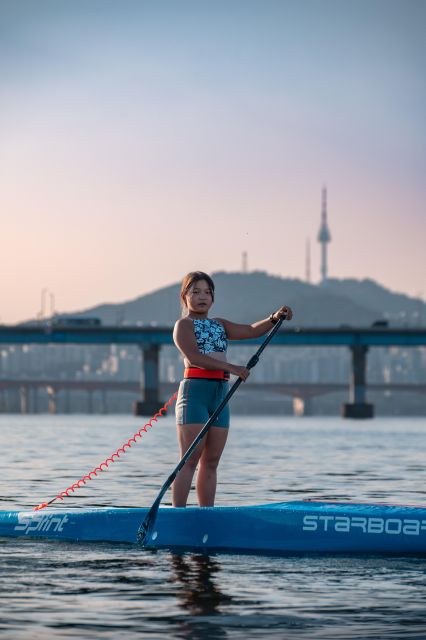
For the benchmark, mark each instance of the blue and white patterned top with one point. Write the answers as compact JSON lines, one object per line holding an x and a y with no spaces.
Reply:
{"x":210,"y":335}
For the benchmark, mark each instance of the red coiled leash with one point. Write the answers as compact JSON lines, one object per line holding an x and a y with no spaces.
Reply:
{"x":115,"y":456}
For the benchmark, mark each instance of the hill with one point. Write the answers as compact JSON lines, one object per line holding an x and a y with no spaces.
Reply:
{"x":246,"y":297}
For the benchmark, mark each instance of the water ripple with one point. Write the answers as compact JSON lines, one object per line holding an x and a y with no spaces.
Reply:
{"x":61,"y":590}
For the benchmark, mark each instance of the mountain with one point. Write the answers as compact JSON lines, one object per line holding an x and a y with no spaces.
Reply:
{"x":246,"y":297}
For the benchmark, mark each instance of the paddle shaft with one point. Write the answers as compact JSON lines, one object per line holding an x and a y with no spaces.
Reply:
{"x":148,"y":523}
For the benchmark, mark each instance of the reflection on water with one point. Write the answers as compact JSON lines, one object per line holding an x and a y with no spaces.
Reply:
{"x":197,"y":578}
{"x":55,"y":590}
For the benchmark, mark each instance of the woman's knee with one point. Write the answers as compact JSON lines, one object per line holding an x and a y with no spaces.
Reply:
{"x":210,"y":462}
{"x":193,"y":460}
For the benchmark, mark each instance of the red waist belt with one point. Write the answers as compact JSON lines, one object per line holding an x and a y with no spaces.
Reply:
{"x":209,"y":374}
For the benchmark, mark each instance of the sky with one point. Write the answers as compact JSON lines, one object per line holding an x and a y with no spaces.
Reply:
{"x":144,"y":139}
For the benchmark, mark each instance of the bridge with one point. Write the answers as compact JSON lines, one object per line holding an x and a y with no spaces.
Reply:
{"x":300,"y":392}
{"x":151,"y":339}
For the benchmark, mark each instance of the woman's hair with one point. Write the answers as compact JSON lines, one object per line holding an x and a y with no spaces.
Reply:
{"x":189,"y":280}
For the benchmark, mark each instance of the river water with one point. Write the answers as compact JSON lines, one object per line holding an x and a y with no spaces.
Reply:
{"x":52,"y":589}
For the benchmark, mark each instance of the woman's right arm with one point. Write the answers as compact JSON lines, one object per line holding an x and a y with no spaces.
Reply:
{"x":184,"y":339}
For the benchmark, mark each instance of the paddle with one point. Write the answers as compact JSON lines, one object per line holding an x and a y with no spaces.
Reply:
{"x":147,"y":525}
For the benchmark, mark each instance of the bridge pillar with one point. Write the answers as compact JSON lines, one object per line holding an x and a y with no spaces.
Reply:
{"x":3,"y":401}
{"x":357,"y":407}
{"x":24,"y":400}
{"x":151,"y":381}
{"x":104,"y":402}
{"x":302,"y":406}
{"x":51,"y":403}
{"x":67,"y":401}
{"x":35,"y":400}
{"x":90,"y":402}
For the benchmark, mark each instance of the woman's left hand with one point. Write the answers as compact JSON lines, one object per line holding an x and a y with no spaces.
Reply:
{"x":284,"y":312}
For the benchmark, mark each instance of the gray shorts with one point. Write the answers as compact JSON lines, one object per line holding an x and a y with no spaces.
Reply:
{"x":197,"y":400}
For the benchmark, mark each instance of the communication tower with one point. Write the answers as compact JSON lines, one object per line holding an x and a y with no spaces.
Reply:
{"x":244,"y":267}
{"x":324,"y":237}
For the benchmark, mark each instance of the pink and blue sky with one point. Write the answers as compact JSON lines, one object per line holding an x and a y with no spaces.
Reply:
{"x":144,"y":139}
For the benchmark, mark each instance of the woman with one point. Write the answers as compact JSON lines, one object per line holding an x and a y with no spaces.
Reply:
{"x":202,"y":342}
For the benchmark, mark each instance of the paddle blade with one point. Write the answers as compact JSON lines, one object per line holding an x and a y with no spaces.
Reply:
{"x":144,"y":531}
{"x":142,"y":534}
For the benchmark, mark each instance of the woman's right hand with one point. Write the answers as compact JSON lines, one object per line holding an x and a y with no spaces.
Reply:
{"x":241,"y":372}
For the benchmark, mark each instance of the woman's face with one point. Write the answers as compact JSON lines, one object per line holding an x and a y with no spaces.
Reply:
{"x":199,"y":298}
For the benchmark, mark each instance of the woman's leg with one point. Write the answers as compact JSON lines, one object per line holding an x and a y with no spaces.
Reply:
{"x":207,"y":473}
{"x":182,"y":483}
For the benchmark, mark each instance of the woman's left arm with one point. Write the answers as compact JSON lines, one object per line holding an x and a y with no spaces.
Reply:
{"x":236,"y":331}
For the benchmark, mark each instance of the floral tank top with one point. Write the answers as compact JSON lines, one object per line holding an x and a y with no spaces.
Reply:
{"x":210,"y":335}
